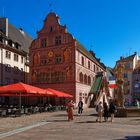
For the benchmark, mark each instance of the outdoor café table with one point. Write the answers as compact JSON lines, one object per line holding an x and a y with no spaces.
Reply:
{"x":16,"y":112}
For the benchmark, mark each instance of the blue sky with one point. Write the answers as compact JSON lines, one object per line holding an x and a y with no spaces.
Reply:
{"x":111,"y":28}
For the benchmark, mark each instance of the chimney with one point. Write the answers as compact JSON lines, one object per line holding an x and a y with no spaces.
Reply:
{"x":4,"y":25}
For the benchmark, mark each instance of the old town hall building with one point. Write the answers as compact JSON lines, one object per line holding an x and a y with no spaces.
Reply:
{"x":59,"y":61}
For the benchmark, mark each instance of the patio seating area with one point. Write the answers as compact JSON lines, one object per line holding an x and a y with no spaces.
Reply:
{"x":11,"y":111}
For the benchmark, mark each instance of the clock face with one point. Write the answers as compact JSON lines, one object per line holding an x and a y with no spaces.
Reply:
{"x":50,"y":54}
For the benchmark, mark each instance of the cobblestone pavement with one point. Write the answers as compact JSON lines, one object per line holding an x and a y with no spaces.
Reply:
{"x":82,"y":128}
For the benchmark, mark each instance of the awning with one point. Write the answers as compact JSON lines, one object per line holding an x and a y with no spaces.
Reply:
{"x":112,"y":86}
{"x":97,"y":84}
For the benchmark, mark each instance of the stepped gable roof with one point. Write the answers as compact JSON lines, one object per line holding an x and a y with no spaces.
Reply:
{"x":89,"y":54}
{"x":129,"y":58}
{"x":19,"y":36}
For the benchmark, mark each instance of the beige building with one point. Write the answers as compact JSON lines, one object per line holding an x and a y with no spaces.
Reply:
{"x":129,"y":64}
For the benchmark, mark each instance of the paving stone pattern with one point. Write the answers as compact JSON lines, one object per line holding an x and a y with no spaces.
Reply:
{"x":83,"y":127}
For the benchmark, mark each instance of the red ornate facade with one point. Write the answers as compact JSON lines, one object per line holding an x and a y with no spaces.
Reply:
{"x":52,"y":57}
{"x":59,"y":61}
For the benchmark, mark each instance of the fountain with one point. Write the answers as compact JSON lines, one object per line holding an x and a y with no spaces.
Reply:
{"x":122,"y":111}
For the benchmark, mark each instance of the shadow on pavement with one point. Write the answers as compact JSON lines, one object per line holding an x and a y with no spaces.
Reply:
{"x":130,"y":138}
{"x":87,"y":122}
{"x":135,"y":120}
{"x":86,"y":115}
{"x":60,"y":115}
{"x":58,"y":120}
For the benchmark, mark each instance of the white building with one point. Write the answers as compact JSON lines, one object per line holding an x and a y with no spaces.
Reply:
{"x":14,"y":45}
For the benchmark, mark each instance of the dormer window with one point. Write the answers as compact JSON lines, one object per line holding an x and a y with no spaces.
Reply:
{"x":1,"y":39}
{"x":16,"y":45}
{"x":58,"y":40}
{"x":10,"y":42}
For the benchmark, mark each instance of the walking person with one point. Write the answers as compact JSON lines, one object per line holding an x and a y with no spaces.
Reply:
{"x":106,"y":112}
{"x":99,"y":109}
{"x":70,"y":107}
{"x":112,"y":109}
{"x":80,"y":107}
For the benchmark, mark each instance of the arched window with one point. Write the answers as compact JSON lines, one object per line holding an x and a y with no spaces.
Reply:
{"x":89,"y":80}
{"x":85,"y":79}
{"x":81,"y":77}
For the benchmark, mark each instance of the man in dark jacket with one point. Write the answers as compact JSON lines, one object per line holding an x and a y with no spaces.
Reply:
{"x":80,"y":107}
{"x":112,"y":109}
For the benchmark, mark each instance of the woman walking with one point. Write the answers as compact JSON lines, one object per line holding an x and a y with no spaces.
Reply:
{"x":70,"y":107}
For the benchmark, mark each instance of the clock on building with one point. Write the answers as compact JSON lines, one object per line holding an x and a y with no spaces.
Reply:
{"x":50,"y":54}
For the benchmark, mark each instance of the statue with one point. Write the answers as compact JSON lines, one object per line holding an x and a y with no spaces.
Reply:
{"x":34,"y":76}
{"x":69,"y":73}
{"x":67,"y":55}
{"x":36,"y":59}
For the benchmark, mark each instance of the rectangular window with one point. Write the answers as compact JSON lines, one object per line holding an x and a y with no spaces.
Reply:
{"x":125,"y":75}
{"x":1,"y":39}
{"x":58,"y":59}
{"x":15,"y":57}
{"x":94,"y":68}
{"x":97,"y":68}
{"x":8,"y":54}
{"x":127,"y":66}
{"x":89,"y":64}
{"x":43,"y":43}
{"x":58,"y":40}
{"x":22,"y":59}
{"x":43,"y":62}
{"x":82,"y":60}
{"x":10,"y":43}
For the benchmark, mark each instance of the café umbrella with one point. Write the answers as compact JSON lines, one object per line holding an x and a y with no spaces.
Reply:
{"x":59,"y":93}
{"x":21,"y":89}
